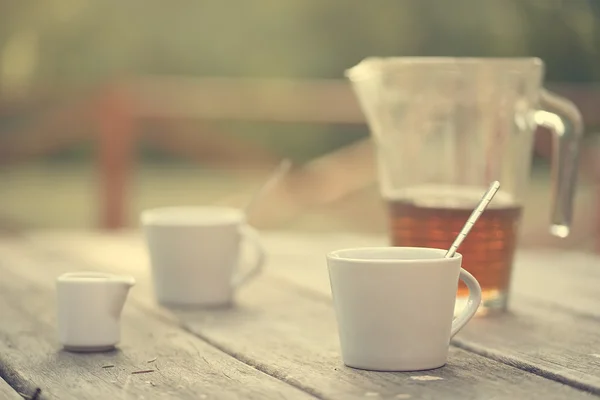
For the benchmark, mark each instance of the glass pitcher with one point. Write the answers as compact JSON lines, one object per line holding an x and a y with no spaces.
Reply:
{"x":444,"y":129}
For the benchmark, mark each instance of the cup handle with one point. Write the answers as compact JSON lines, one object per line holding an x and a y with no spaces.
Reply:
{"x":472,"y":304}
{"x":242,"y":277}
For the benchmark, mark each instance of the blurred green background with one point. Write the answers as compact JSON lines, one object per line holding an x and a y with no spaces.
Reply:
{"x":67,"y":45}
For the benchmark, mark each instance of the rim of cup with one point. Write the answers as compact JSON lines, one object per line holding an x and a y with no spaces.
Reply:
{"x":392,"y":255}
{"x":93,"y":277}
{"x":192,"y":216}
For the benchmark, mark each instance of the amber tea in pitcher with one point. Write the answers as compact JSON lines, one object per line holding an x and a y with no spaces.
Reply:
{"x":432,"y":217}
{"x":444,"y":128}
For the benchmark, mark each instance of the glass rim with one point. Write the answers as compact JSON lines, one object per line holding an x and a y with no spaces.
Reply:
{"x":379,"y":65}
{"x":391,"y":255}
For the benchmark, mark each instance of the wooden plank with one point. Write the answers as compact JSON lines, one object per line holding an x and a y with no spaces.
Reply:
{"x":8,"y":393}
{"x":273,"y":100}
{"x":292,"y":334}
{"x":542,"y":339}
{"x":552,"y":292}
{"x":294,"y":337}
{"x":565,"y":279}
{"x":286,"y":100}
{"x":184,"y":367}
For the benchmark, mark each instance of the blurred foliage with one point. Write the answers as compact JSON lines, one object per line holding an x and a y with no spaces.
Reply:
{"x":89,"y":40}
{"x":82,"y":42}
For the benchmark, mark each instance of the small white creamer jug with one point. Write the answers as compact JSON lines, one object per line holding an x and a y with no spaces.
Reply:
{"x":89,"y":309}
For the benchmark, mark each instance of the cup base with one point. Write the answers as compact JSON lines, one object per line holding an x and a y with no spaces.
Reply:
{"x":371,"y":362}
{"x":406,"y":368}
{"x":89,"y":349}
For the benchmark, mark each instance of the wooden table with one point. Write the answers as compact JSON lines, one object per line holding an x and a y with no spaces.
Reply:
{"x":280,"y":340}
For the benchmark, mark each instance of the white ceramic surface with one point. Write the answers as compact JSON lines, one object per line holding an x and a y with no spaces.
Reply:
{"x":395,"y":305}
{"x":195,"y":254}
{"x":89,"y":309}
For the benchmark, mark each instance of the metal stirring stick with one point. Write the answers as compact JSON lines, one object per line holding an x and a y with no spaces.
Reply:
{"x":275,"y":176}
{"x":485,"y":200}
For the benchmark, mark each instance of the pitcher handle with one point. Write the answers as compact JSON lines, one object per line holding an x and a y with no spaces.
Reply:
{"x":563,"y":118}
{"x":252,"y":235}
{"x":472,"y":303}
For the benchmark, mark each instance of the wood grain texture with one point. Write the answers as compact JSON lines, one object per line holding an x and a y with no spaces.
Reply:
{"x":563,"y":279}
{"x":545,"y":340}
{"x":551,"y":329}
{"x":554,"y":319}
{"x":8,"y":393}
{"x":296,"y":339}
{"x":183,"y":366}
{"x":290,"y":332}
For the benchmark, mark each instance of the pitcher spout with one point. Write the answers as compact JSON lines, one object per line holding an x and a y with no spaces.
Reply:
{"x":365,"y":69}
{"x":120,"y":286}
{"x":126,"y":281}
{"x":366,"y":81}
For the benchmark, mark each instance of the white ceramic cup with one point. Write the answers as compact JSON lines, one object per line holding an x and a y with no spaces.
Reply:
{"x":195,"y":254}
{"x":89,"y":309}
{"x":395,"y":306}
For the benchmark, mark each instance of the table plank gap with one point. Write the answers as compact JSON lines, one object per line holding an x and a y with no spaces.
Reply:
{"x":6,"y":391}
{"x":541,"y":339}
